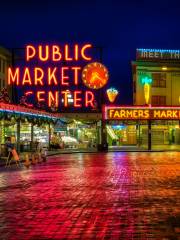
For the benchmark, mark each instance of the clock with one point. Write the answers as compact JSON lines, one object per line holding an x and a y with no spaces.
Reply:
{"x":95,"y":75}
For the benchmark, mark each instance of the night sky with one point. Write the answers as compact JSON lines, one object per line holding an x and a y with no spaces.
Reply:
{"x":118,"y":26}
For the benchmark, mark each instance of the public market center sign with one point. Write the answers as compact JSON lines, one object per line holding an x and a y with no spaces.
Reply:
{"x":52,"y":73}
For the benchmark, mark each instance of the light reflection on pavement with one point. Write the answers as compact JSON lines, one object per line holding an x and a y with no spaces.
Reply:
{"x":93,"y":196}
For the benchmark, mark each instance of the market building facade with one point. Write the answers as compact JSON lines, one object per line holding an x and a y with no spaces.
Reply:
{"x":151,"y":123}
{"x":156,"y":90}
{"x":73,"y":110}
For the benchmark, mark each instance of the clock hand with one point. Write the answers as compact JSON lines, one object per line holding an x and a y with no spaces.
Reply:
{"x":95,"y":75}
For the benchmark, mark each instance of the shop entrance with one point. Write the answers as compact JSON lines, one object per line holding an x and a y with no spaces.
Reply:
{"x":119,"y":135}
{"x":165,"y":135}
{"x":122,"y":135}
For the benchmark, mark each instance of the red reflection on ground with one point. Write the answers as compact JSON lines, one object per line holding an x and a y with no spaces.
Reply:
{"x":93,"y":196}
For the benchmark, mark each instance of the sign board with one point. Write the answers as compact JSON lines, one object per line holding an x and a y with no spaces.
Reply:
{"x":141,"y":113}
{"x":157,"y":54}
{"x":52,"y":76}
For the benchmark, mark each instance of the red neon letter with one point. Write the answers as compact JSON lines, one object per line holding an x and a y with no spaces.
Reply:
{"x":38,"y":79}
{"x":26,"y":77}
{"x":39,"y":97}
{"x":89,"y":99}
{"x":76,"y":52}
{"x":65,"y":93}
{"x":77,"y":99}
{"x":51,"y":98}
{"x":83,"y":52}
{"x":63,"y":77}
{"x":30,"y":52}
{"x":51,"y":76}
{"x":76,"y":69}
{"x":56,"y":55}
{"x":26,"y":94}
{"x":13,"y":77}
{"x":67,"y":58}
{"x":43,"y":58}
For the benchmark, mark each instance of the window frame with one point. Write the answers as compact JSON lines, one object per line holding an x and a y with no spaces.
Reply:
{"x":159,"y":80}
{"x":159,"y":100}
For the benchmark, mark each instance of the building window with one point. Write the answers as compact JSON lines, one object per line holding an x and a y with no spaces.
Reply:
{"x":159,"y":80}
{"x":158,"y":100}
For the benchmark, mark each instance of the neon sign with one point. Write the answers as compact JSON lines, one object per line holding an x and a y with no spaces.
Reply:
{"x":141,"y":113}
{"x":59,"y":68}
{"x":58,"y":53}
{"x":146,"y":81}
{"x":95,"y":75}
{"x":112,"y":94}
{"x":156,"y":54}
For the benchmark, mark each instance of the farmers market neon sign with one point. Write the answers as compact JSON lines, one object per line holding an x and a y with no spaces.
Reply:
{"x":59,"y":68}
{"x":141,"y":113}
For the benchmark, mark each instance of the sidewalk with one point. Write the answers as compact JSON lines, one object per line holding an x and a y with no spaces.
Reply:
{"x":50,"y":153}
{"x":111,"y":149}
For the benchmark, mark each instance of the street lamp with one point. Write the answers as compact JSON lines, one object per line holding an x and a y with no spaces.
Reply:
{"x":164,"y":68}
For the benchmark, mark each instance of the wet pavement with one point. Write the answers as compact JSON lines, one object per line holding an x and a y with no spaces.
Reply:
{"x":93,"y":196}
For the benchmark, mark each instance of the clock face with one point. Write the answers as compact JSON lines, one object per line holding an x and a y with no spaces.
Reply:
{"x":95,"y":75}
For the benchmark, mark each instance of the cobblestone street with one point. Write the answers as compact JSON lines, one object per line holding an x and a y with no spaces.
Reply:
{"x":93,"y":196}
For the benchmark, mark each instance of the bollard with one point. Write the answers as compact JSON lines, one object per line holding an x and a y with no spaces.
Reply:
{"x":43,"y":155}
{"x":39,"y":158}
{"x":27,"y":162}
{"x":36,"y":157}
{"x":34,"y":161}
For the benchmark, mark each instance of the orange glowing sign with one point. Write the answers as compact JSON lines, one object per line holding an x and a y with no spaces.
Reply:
{"x":142,"y":113}
{"x":95,"y":75}
{"x":112,"y":94}
{"x":58,"y":53}
{"x":56,"y":71}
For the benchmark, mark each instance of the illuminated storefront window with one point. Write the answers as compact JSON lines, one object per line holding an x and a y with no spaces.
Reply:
{"x":75,"y":135}
{"x":128,"y":126}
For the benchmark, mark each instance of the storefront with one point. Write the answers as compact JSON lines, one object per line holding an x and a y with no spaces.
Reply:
{"x":31,"y":134}
{"x":70,"y":87}
{"x":76,"y":131}
{"x":145,"y":128}
{"x":25,"y":127}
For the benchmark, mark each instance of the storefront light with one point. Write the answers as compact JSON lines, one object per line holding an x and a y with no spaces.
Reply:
{"x":118,"y":127}
{"x":77,"y":122}
{"x":70,"y":97}
{"x":164,"y":68}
